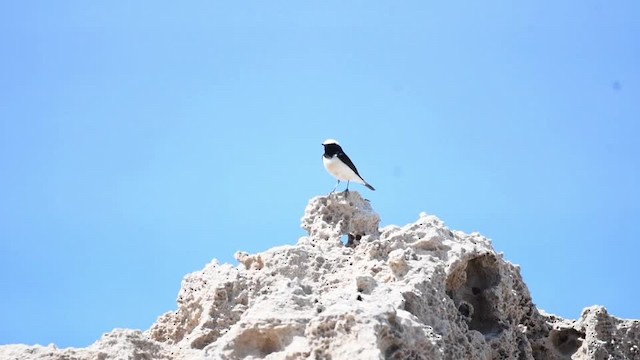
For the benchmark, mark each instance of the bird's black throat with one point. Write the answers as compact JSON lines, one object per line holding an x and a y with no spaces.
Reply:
{"x":331,"y":150}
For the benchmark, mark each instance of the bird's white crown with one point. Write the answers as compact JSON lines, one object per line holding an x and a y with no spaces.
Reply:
{"x":330,"y":141}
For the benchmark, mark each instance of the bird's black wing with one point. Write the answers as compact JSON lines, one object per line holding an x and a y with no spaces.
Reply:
{"x":345,"y":159}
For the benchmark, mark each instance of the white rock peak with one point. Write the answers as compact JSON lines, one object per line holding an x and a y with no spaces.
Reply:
{"x":420,"y":291}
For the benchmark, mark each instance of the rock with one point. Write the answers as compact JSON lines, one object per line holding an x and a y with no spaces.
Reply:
{"x":118,"y":344}
{"x":420,"y":291}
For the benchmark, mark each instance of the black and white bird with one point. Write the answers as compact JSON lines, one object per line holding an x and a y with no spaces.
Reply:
{"x":339,"y":165}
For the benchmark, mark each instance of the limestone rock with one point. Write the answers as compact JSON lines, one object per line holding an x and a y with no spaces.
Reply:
{"x":420,"y":291}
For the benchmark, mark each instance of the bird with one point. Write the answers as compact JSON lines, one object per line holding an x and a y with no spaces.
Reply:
{"x":339,"y":165}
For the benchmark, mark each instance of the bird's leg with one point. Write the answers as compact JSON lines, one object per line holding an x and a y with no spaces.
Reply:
{"x":334,"y":189}
{"x":346,"y":191}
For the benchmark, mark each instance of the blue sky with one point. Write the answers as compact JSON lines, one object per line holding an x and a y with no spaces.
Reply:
{"x":140,"y":140}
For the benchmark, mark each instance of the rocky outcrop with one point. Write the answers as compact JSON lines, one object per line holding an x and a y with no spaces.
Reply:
{"x":350,"y":290}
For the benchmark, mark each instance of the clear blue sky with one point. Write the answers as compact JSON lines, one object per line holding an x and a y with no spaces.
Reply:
{"x":139,"y":140}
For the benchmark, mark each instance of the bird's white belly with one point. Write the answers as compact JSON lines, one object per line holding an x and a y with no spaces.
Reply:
{"x":340,"y":170}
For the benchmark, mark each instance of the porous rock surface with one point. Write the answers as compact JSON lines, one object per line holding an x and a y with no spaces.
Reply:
{"x":420,"y":291}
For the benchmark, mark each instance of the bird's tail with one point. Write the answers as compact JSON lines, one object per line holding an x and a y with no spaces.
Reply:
{"x":369,"y":186}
